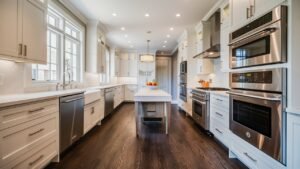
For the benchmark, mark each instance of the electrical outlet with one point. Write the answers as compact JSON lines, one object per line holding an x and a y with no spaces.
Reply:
{"x":1,"y":79}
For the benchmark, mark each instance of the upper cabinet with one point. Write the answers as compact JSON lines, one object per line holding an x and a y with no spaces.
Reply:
{"x":95,"y":49}
{"x":127,"y":64}
{"x":243,"y":11}
{"x":23,"y":30}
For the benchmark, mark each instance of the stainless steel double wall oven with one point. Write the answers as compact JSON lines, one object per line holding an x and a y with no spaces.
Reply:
{"x":183,"y":81}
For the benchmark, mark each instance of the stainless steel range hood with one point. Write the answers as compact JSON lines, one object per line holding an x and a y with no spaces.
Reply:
{"x":211,"y":38}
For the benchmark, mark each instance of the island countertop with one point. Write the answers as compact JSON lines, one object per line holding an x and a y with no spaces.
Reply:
{"x":148,"y":95}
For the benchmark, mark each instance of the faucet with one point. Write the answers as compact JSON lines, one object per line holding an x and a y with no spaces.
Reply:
{"x":64,"y":85}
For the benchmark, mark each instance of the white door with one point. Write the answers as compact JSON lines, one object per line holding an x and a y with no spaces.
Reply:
{"x":163,"y":73}
{"x":10,"y":27}
{"x":239,"y":12}
{"x":262,"y":7}
{"x":34,"y":31}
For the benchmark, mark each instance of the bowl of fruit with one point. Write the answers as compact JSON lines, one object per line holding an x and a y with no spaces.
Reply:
{"x":152,"y":85}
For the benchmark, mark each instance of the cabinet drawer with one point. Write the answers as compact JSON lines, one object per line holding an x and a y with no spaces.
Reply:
{"x":220,"y":115}
{"x":17,"y":140}
{"x":219,"y":100}
{"x":92,"y":115}
{"x":219,"y":131}
{"x":16,"y":115}
{"x":37,"y":158}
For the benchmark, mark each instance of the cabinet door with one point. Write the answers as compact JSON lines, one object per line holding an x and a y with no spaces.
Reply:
{"x":132,"y":65}
{"x":34,"y":31}
{"x":293,"y":140}
{"x":124,"y":69}
{"x":225,"y":48}
{"x":263,"y":6}
{"x":10,"y":27}
{"x":239,"y":12}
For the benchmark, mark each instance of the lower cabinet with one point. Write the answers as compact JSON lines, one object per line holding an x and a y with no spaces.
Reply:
{"x":29,"y":134}
{"x":293,"y":141}
{"x":119,"y":95}
{"x":130,"y":90}
{"x":93,"y":114}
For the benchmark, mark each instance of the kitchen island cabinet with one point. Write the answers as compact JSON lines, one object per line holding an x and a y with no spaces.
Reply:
{"x":155,"y":104}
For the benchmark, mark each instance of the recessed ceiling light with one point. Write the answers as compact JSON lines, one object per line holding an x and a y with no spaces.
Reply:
{"x":165,"y":41}
{"x":123,"y":28}
{"x":171,"y":29}
{"x":114,"y":14}
{"x":164,"y":46}
{"x":168,"y":36}
{"x":178,"y":15}
{"x":147,"y":15}
{"x":126,"y":36}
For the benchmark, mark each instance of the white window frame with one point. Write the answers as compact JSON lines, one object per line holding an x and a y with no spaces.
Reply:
{"x":57,"y":12}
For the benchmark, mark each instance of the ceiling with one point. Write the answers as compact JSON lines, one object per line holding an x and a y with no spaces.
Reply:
{"x":130,"y":14}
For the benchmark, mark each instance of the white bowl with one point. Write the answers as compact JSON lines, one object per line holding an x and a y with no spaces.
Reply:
{"x":152,"y":87}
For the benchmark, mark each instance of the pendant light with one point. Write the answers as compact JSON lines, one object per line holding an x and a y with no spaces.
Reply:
{"x":147,"y":57}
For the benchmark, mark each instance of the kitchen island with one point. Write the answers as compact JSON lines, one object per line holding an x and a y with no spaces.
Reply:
{"x":152,"y":104}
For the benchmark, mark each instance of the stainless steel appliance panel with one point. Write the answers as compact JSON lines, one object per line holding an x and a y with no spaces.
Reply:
{"x":71,"y":120}
{"x":200,"y":108}
{"x":263,"y":79}
{"x":259,"y":121}
{"x":109,"y":101}
{"x":266,"y":44}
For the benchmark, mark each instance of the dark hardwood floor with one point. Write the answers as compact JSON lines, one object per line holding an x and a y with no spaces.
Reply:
{"x":114,"y":145}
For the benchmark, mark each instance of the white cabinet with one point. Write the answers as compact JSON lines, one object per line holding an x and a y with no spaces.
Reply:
{"x":28,"y":130}
{"x":130,"y":90}
{"x":119,"y":95}
{"x":205,"y":66}
{"x":243,"y":11}
{"x":224,"y":53}
{"x":128,"y":65}
{"x":23,"y":30}
{"x":219,"y":117}
{"x":95,"y":49}
{"x":293,"y":140}
{"x":93,"y":109}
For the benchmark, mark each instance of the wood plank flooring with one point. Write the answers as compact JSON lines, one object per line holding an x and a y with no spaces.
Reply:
{"x":114,"y":145}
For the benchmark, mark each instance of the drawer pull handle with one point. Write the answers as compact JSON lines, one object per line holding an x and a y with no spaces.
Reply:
{"x":36,"y":110}
{"x":219,"y":100}
{"x":219,"y":114}
{"x":251,"y":158}
{"x":35,"y":161}
{"x":219,"y":131}
{"x":93,"y":110}
{"x":36,"y":132}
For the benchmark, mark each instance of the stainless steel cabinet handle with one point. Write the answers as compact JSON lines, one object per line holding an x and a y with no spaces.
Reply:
{"x":36,"y":132}
{"x":219,"y":131}
{"x":36,"y":160}
{"x":25,"y":50}
{"x":251,"y":158}
{"x":36,"y":110}
{"x":251,"y":10}
{"x":20,"y":49}
{"x":248,"y":13}
{"x":219,"y":114}
{"x":93,"y":110}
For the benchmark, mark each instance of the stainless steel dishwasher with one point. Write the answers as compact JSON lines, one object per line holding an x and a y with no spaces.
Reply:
{"x":71,"y":110}
{"x":109,"y":100}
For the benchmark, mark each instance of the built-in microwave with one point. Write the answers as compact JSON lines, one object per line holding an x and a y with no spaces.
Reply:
{"x":257,"y":109}
{"x":261,"y":42}
{"x":183,"y":67}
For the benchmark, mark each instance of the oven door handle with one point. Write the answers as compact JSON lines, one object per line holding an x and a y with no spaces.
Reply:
{"x":254,"y":96}
{"x":204,"y":103}
{"x":254,"y":36}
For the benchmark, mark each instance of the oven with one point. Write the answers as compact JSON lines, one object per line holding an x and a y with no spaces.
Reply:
{"x":183,"y":92}
{"x":257,"y":110}
{"x":200,"y":109}
{"x":261,"y":42}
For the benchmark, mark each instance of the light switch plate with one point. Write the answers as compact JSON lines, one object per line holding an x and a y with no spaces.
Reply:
{"x":1,"y":79}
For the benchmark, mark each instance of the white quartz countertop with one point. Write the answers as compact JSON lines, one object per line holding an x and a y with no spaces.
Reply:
{"x":148,"y":95}
{"x":15,"y":99}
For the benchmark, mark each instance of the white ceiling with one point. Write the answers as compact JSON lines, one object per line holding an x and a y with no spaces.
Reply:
{"x":131,"y":16}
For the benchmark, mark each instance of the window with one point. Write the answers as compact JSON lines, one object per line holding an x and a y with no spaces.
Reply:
{"x":64,"y":46}
{"x":105,"y":76}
